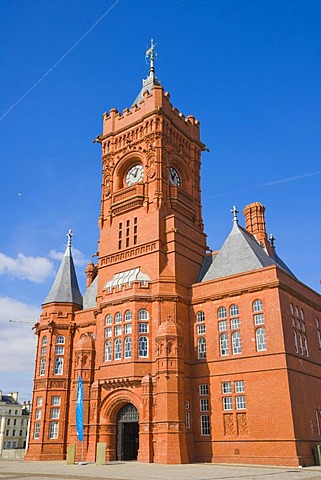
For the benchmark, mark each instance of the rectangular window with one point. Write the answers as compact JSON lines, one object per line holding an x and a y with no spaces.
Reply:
{"x":222,"y":325}
{"x":8,"y":421}
{"x":227,"y":387}
{"x":20,"y":433}
{"x":39,"y":401}
{"x":43,"y":351}
{"x":201,"y":329}
{"x":135,"y":231}
{"x":227,"y":403}
{"x":204,"y":405}
{"x":203,"y":389}
{"x":120,"y":235}
{"x":38,"y":413}
{"x":239,"y":386}
{"x":143,"y":328}
{"x":60,"y":350}
{"x":205,"y":425}
{"x":259,"y":319}
{"x":317,"y":421}
{"x":54,"y":413}
{"x":55,"y":401}
{"x":108,"y":332}
{"x":240,"y":403}
{"x":53,"y":430}
{"x":128,"y":328}
{"x":188,"y":420}
{"x":118,"y":330}
{"x":13,"y":433}
{"x":235,"y":323}
{"x":127,"y":232}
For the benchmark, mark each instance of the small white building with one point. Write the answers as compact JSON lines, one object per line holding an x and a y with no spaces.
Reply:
{"x":14,"y":419}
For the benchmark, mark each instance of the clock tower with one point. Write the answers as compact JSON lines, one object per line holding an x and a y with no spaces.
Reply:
{"x":151,"y":249}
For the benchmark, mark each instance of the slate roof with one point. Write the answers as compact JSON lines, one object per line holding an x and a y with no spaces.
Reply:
{"x":240,"y":253}
{"x":90,"y":295}
{"x":148,"y":83}
{"x":9,"y":400}
{"x":65,"y":288}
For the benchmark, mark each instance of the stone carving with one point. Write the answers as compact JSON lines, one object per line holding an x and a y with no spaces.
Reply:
{"x":241,"y":422}
{"x":228,"y":424}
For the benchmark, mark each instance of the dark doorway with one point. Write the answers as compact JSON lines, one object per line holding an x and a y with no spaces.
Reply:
{"x":127,"y":433}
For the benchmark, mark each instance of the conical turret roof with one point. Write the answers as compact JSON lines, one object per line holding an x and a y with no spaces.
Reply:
{"x":65,"y":288}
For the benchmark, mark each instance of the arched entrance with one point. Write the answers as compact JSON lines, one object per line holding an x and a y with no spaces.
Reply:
{"x":127,"y":433}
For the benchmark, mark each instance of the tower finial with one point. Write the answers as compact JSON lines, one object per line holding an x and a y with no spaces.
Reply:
{"x":235,"y":212}
{"x":272,"y":240}
{"x":69,"y":235}
{"x":150,"y":56}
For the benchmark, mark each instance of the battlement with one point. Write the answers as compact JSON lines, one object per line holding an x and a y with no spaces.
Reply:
{"x":153,"y":103}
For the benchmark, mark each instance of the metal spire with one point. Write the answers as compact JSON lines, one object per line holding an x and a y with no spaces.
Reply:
{"x":235,"y":212}
{"x":69,"y":235}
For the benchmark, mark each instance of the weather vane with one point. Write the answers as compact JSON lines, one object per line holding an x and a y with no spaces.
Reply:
{"x":150,"y":56}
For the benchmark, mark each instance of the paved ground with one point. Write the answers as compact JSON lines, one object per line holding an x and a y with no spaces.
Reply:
{"x":18,"y":469}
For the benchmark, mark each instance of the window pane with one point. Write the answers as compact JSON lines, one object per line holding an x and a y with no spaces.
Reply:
{"x":107,"y":351}
{"x":54,"y":412}
{"x":236,"y":343}
{"x":128,"y":328}
{"x":203,"y":389}
{"x":240,"y":403}
{"x":117,"y":351}
{"x":143,"y":328}
{"x":221,"y":312}
{"x":224,"y":346}
{"x":222,"y":326}
{"x":201,"y":329}
{"x":128,"y":347}
{"x":60,"y":339}
{"x":227,"y":403}
{"x":200,"y":317}
{"x":259,"y":319}
{"x":257,"y":306}
{"x":108,"y":332}
{"x":205,"y":425}
{"x":201,"y":347}
{"x":226,"y":387}
{"x":239,"y":386}
{"x":55,"y":400}
{"x":143,"y":314}
{"x":142,"y":347}
{"x":53,"y":430}
{"x":204,"y":405}
{"x":118,"y":330}
{"x":128,"y":316}
{"x":109,"y":319}
{"x":235,"y":323}
{"x":58,"y":366}
{"x":260,"y":339}
{"x":118,"y":317}
{"x":234,"y":310}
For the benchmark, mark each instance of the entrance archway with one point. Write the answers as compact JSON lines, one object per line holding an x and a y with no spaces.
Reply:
{"x":127,"y":432}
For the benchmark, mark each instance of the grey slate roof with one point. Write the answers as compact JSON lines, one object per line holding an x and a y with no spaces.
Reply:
{"x":91,"y":294}
{"x":239,"y":253}
{"x":65,"y":288}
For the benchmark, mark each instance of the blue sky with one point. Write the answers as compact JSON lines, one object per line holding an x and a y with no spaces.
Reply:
{"x":248,"y":70}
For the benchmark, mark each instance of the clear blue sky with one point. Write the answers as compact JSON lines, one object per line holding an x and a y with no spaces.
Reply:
{"x":248,"y":70}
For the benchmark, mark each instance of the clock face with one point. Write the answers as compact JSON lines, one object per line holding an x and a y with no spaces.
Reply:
{"x":174,"y":178}
{"x":134,"y":175}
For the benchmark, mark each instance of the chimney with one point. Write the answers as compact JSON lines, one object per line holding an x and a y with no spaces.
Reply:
{"x":91,"y":272}
{"x":255,"y":224}
{"x":0,"y":395}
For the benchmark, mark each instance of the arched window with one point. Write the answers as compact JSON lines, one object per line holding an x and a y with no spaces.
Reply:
{"x":234,"y":310}
{"x":117,"y":349}
{"x":58,"y":366}
{"x":44,"y":340}
{"x":143,"y":314}
{"x":118,"y":317}
{"x":260,"y":339}
{"x":108,"y":351}
{"x":291,"y":309}
{"x":108,"y":319}
{"x":296,"y":311}
{"x":300,"y":343}
{"x":200,"y":316}
{"x":224,"y":346}
{"x":221,"y":312}
{"x":128,"y":347}
{"x":42,"y":366}
{"x":201,"y":347}
{"x":60,"y":339}
{"x":143,"y":347}
{"x":257,"y":306}
{"x":295,"y":342}
{"x":236,"y":343}
{"x":128,"y":316}
{"x":302,"y":314}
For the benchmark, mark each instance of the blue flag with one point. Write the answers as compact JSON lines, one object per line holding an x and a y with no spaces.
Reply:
{"x":80,"y":410}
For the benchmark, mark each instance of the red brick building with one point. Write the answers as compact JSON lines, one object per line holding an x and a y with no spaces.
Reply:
{"x":186,"y":355}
